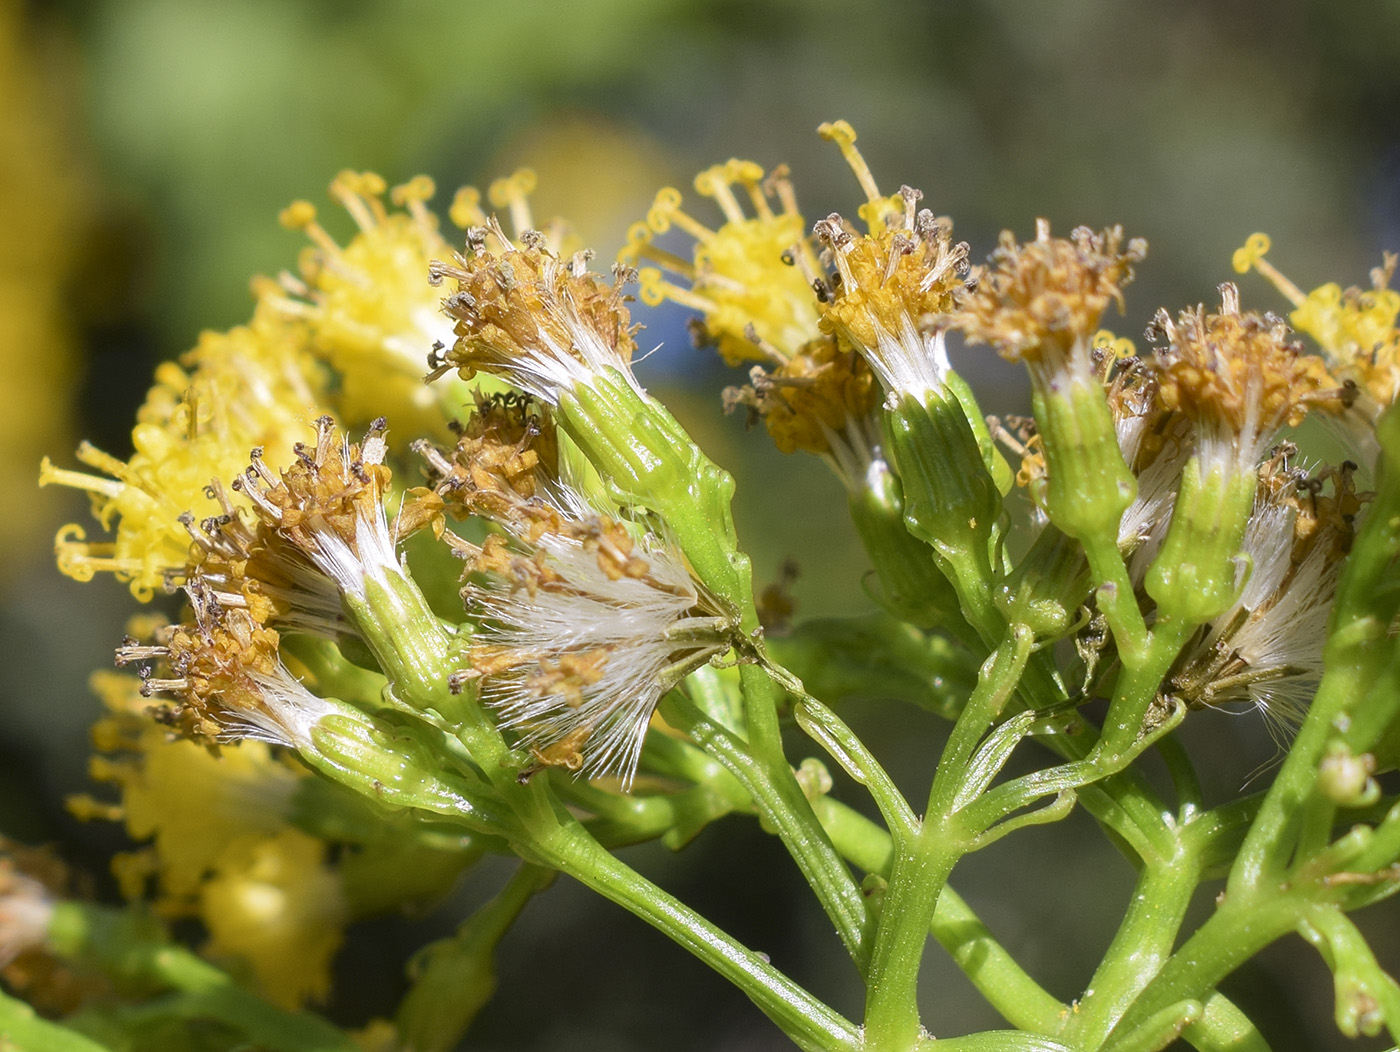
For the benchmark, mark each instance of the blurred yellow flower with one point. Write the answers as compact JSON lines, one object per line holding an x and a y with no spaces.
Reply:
{"x":39,"y":206}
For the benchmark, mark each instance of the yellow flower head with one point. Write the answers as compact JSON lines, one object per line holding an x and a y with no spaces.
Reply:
{"x":191,"y":803}
{"x":744,"y":279}
{"x":895,"y":283}
{"x":248,"y":387}
{"x":1356,"y":328}
{"x":274,"y":903}
{"x":367,"y":305}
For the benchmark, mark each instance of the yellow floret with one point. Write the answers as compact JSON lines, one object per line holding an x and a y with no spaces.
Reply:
{"x":190,"y":803}
{"x":251,"y":386}
{"x":275,"y":904}
{"x":1355,"y":327}
{"x":743,"y":277}
{"x":367,"y":305}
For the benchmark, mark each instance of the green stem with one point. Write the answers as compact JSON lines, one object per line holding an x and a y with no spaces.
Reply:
{"x":807,"y":1021}
{"x":1007,"y":987}
{"x":23,"y":1031}
{"x":1224,"y":1028}
{"x":1239,"y":929}
{"x":1142,"y":944}
{"x":916,"y":880}
{"x":832,"y":734}
{"x":130,"y":947}
{"x":997,"y":680}
{"x":1115,"y":596}
{"x":781,"y":803}
{"x":922,"y":862}
{"x":456,"y":976}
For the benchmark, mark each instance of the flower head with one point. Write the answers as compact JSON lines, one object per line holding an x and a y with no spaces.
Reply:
{"x":1357,"y":330}
{"x":1041,"y":301}
{"x":584,"y":621}
{"x":254,"y":567}
{"x":543,"y":324}
{"x":744,"y":278}
{"x":582,"y":634}
{"x":1267,"y":648}
{"x":226,"y":668}
{"x":506,"y":454}
{"x":191,"y":803}
{"x":895,"y":283}
{"x":248,"y":387}
{"x":1237,"y":376}
{"x":26,"y":907}
{"x":822,"y":400}
{"x":329,"y":504}
{"x":277,"y":904}
{"x":367,"y":305}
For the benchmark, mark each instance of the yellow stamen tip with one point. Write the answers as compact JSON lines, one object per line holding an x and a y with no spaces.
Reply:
{"x":651,"y":286}
{"x":1254,"y":248}
{"x":466,"y":208}
{"x":638,"y":237}
{"x":298,"y":215}
{"x":839,"y":132}
{"x":667,"y":203}
{"x":745,"y":171}
{"x":419,"y":188}
{"x":520,"y":183}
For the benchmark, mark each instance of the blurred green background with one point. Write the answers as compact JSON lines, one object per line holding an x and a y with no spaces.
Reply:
{"x":146,"y":147}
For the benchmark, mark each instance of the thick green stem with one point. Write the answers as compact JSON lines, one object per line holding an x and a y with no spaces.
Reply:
{"x":1005,"y":984}
{"x":916,"y":881}
{"x":1142,"y":944}
{"x":922,"y":862}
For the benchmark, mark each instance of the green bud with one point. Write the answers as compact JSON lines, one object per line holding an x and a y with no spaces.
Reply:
{"x":1345,"y":778}
{"x":950,"y":500}
{"x":1087,"y":486}
{"x":399,"y":766}
{"x":1049,"y":587}
{"x":1196,"y":576}
{"x":992,"y":457}
{"x":911,"y":587}
{"x":648,"y":459}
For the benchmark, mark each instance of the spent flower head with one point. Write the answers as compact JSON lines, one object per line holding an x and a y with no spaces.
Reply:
{"x":1041,"y":302}
{"x":585,"y":623}
{"x":1237,"y":376}
{"x":541,"y":323}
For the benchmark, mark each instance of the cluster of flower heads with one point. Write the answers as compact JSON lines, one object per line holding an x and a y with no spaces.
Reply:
{"x":872,"y":310}
{"x":579,"y":609}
